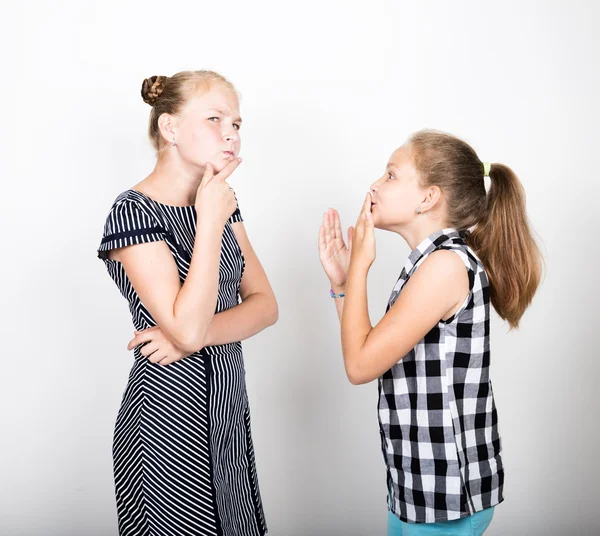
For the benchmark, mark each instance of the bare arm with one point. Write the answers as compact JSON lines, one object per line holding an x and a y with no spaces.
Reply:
{"x":184,"y":312}
{"x":435,"y":291}
{"x":258,"y":309}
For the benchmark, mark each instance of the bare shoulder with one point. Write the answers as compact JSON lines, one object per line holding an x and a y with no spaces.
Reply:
{"x":444,"y":263}
{"x":442,"y":272}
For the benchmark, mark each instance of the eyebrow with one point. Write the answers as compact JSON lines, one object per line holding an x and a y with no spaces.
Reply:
{"x":222,"y":111}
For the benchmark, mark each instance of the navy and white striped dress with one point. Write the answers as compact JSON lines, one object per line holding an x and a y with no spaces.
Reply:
{"x":183,"y":454}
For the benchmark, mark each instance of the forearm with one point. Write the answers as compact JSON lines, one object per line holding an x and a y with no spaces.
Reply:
{"x":355,"y":322}
{"x":194,"y":307}
{"x":257,"y":312}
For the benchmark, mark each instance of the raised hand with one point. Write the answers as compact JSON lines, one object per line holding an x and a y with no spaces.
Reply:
{"x":363,"y":249}
{"x":215,"y":200}
{"x":333,"y":253}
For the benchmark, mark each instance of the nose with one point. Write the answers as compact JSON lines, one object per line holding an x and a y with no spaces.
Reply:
{"x":231,"y":135}
{"x":374,"y":188}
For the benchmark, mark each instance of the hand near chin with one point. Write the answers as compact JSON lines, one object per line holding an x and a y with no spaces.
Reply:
{"x":363,"y":249}
{"x":215,"y":200}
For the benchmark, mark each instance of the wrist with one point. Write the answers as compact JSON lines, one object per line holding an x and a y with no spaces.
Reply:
{"x":209,"y":225}
{"x":360,"y":270}
{"x":337,"y":288}
{"x":337,"y":294}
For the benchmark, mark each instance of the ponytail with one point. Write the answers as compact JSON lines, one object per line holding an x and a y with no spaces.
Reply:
{"x":503,"y":241}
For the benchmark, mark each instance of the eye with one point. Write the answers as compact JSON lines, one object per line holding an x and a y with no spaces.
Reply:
{"x":237,"y":126}
{"x":211,"y":118}
{"x":390,"y":176}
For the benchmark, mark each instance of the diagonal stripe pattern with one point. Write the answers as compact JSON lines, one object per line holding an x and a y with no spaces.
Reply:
{"x":183,"y":455}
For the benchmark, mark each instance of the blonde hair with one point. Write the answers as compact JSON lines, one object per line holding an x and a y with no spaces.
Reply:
{"x":501,"y":236}
{"x":169,"y":94}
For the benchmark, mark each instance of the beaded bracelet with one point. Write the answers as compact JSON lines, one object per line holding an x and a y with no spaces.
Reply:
{"x":334,"y":295}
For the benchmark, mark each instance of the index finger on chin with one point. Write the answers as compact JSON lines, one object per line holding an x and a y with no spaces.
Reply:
{"x":228,"y":169}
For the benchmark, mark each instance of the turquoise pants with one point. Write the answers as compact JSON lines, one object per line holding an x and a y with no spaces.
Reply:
{"x":474,"y":525}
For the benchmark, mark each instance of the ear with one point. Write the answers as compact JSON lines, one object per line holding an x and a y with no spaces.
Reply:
{"x":432,"y":199}
{"x":166,"y":127}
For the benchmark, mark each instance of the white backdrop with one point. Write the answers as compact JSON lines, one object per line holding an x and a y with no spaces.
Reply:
{"x":329,"y":89}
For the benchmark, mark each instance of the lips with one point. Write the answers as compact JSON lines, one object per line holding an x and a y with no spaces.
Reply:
{"x":228,"y":154}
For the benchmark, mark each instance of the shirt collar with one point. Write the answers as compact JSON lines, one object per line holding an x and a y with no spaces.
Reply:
{"x":431,"y":243}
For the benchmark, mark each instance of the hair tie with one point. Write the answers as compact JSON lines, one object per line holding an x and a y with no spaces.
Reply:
{"x":486,"y":169}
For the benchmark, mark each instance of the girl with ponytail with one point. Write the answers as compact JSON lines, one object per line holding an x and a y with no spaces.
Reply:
{"x":431,"y":350}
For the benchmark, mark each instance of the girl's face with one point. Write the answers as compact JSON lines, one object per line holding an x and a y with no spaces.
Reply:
{"x":397,"y":194}
{"x":208,"y":128}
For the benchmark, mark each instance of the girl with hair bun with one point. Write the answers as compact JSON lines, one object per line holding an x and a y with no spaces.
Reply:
{"x":176,"y":247}
{"x":431,"y":350}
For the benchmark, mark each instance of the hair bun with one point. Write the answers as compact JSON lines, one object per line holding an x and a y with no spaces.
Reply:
{"x":152,"y":88}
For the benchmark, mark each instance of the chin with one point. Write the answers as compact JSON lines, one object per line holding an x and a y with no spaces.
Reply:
{"x":378,"y":224}
{"x":220,"y":162}
{"x":217,"y":165}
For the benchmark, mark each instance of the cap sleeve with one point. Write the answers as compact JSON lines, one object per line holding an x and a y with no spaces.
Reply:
{"x":237,"y":215}
{"x":129,"y":223}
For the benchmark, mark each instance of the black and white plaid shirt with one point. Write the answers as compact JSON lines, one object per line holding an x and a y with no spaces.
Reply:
{"x":437,"y":415}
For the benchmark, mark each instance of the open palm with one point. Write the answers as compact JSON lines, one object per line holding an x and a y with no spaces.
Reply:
{"x":334,"y":255}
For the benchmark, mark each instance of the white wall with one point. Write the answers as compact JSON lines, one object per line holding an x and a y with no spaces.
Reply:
{"x":329,"y":90}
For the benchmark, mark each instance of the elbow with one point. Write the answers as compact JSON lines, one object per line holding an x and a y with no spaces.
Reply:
{"x":266,"y":312}
{"x":189,"y":346}
{"x":356,"y":379}
{"x":191,"y":342}
{"x":270,"y":311}
{"x":355,"y":376}
{"x":273,"y":312}
{"x":359,"y":368}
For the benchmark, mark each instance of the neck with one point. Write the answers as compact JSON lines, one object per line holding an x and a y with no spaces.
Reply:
{"x":172,"y":181}
{"x":418,"y":230}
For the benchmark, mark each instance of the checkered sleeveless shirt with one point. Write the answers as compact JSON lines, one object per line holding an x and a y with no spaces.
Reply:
{"x":437,"y":415}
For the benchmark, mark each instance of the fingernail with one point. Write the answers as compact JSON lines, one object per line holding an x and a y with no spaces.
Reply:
{"x":239,"y":158}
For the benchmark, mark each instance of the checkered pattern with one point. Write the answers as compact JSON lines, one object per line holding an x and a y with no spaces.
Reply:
{"x":437,"y":416}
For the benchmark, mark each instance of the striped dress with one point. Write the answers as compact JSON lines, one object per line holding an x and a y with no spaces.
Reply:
{"x":182,"y":450}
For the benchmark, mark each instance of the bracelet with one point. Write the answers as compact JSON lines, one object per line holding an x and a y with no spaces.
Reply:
{"x":334,"y":295}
